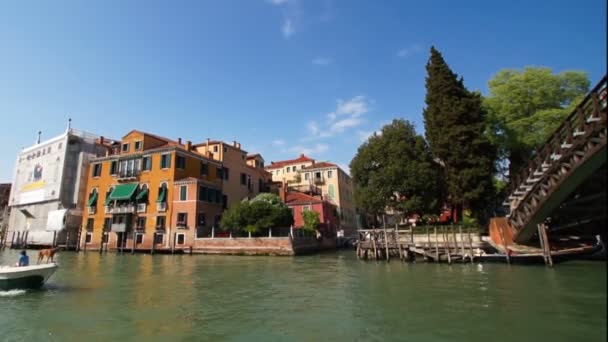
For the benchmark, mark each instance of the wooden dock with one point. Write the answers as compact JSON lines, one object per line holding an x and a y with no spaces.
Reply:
{"x":435,"y":244}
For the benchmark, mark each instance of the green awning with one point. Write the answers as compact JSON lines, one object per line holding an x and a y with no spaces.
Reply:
{"x":92,"y":200}
{"x":142,"y":194}
{"x":123,"y":192}
{"x":162,"y":195}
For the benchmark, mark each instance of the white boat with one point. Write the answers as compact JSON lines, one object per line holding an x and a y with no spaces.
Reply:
{"x":25,"y":277}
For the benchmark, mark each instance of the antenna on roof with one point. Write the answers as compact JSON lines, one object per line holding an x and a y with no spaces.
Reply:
{"x":38,"y":140}
{"x":69,"y":124}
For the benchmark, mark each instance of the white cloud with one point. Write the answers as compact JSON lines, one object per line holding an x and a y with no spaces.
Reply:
{"x":287,"y":29}
{"x":310,"y":150}
{"x":343,"y":124}
{"x":354,"y":107}
{"x":408,"y":51}
{"x":313,"y":128}
{"x":278,"y":142}
{"x":322,"y":61}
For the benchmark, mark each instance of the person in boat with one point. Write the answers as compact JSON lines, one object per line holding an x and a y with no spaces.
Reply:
{"x":24,"y":260}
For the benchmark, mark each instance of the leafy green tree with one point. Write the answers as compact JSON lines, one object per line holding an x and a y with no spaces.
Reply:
{"x":311,"y":220}
{"x":526,"y":106}
{"x":455,"y":125}
{"x":395,"y":169}
{"x":261,"y":213}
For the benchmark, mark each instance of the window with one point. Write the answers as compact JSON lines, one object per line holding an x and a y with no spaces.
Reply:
{"x":243,"y":179}
{"x":165,"y":161}
{"x":114,"y":167}
{"x":278,"y":171}
{"x":183,"y":192}
{"x":204,"y":169}
{"x":306,"y":208}
{"x":260,"y":185}
{"x":104,"y":238}
{"x":202,"y":193}
{"x":107,"y":223}
{"x":226,"y":173}
{"x":219,"y":173}
{"x":138,"y":145}
{"x":96,"y":170}
{"x":160,"y":222}
{"x":182,"y":219}
{"x":181,"y":239}
{"x":200,"y":220}
{"x":139,"y":238}
{"x":90,"y":223}
{"x":317,"y":175}
{"x":329,"y":173}
{"x":88,"y":238}
{"x":125,"y":147}
{"x":306,"y":176}
{"x":159,"y":238}
{"x":180,"y":162}
{"x":225,"y":149}
{"x":288,"y":169}
{"x":218,"y":196}
{"x":224,"y":201}
{"x":215,"y":148}
{"x":141,"y":223}
{"x":210,"y":195}
{"x":146,"y":163}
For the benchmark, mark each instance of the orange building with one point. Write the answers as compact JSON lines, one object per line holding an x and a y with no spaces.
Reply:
{"x":151,"y":193}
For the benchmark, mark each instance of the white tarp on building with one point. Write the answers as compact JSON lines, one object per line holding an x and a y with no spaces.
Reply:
{"x":56,"y":220}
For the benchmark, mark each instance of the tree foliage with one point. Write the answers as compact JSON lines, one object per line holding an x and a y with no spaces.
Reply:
{"x":395,"y":169}
{"x":261,"y":213}
{"x":526,"y":106}
{"x":311,"y":220}
{"x":455,"y":125}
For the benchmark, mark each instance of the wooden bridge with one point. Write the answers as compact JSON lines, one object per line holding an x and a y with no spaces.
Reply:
{"x":571,"y":156}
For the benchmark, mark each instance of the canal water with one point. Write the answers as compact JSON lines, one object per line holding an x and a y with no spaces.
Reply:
{"x":332,"y":297}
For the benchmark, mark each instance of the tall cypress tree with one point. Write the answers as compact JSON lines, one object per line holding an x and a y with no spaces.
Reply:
{"x":455,"y":125}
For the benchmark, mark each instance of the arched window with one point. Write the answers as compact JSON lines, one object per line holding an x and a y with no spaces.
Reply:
{"x":142,"y":196}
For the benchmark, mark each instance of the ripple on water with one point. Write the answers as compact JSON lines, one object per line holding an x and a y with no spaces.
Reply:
{"x":12,"y":293}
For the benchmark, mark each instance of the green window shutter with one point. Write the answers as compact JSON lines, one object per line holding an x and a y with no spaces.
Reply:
{"x":142,"y":195}
{"x":92,"y":200}
{"x":162,"y":195}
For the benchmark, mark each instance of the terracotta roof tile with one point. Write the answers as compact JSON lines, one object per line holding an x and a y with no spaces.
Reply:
{"x":321,"y":165}
{"x":301,"y":159}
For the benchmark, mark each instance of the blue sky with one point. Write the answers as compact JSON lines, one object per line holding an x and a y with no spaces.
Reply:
{"x":280,"y":76}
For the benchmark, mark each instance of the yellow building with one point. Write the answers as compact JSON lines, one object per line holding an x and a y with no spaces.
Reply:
{"x":151,"y":192}
{"x":303,"y":174}
{"x":243,"y":176}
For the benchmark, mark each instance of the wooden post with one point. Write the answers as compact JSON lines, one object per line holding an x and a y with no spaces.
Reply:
{"x":385,"y":237}
{"x":436,"y":244}
{"x":213,"y":232}
{"x":359,"y":247}
{"x":133,"y":242}
{"x":67,"y":239}
{"x":447,"y":247}
{"x":153,"y":243}
{"x":546,"y":245}
{"x":455,"y":240}
{"x":13,"y":240}
{"x":471,"y":255}
{"x":269,"y":232}
{"x":502,"y":238}
{"x":79,"y":239}
{"x":173,"y":243}
{"x":461,"y":243}
{"x":373,"y":237}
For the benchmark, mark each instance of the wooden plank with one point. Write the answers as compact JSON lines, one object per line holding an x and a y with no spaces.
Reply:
{"x":436,"y":245}
{"x":461,"y":242}
{"x":446,"y":236}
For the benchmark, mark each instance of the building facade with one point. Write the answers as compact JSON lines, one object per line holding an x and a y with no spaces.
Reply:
{"x":151,"y":193}
{"x":328,"y":180}
{"x":300,"y":202}
{"x":48,"y":189}
{"x":243,"y":177}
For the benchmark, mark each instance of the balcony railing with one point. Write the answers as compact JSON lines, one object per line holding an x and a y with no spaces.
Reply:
{"x":119,"y":227}
{"x":124,"y":209}
{"x":161,"y":207}
{"x":182,"y":225}
{"x":141,"y":207}
{"x":319,"y":180}
{"x":92,"y":210}
{"x":127,"y":174}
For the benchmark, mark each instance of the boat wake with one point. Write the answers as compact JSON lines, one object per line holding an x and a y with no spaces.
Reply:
{"x":12,"y":293}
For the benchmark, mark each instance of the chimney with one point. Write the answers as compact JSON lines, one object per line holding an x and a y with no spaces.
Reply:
{"x":38,"y":139}
{"x":69,"y":124}
{"x":208,"y":141}
{"x":179,"y":141}
{"x":188,"y":145}
{"x":101,"y":140}
{"x":234,"y":143}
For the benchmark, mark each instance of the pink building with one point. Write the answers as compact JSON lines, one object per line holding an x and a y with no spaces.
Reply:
{"x":299,"y":202}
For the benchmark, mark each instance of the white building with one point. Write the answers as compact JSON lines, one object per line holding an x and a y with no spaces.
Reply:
{"x":47,"y":195}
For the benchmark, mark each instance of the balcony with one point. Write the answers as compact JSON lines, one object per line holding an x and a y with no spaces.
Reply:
{"x":119,"y":227}
{"x":141,"y":207}
{"x":123,"y":209}
{"x":127,"y":175}
{"x":92,"y":210}
{"x":319,"y":181}
{"x":161,"y":207}
{"x":160,"y":229}
{"x":182,"y":225}
{"x":307,"y":189}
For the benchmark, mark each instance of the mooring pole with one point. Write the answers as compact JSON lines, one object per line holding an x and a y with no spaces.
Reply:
{"x":385,"y":237}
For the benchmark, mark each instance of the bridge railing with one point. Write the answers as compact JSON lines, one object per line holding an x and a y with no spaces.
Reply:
{"x":588,"y":115}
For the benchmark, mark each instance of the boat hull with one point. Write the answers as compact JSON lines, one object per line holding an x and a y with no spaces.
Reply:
{"x":28,"y":277}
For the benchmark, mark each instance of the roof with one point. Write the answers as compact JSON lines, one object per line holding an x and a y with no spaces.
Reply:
{"x":321,"y":165}
{"x":252,"y":156}
{"x":301,"y":159}
{"x":294,"y":198}
{"x":151,"y":135}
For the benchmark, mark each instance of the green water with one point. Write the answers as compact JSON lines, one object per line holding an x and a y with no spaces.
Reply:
{"x":325,"y":297}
